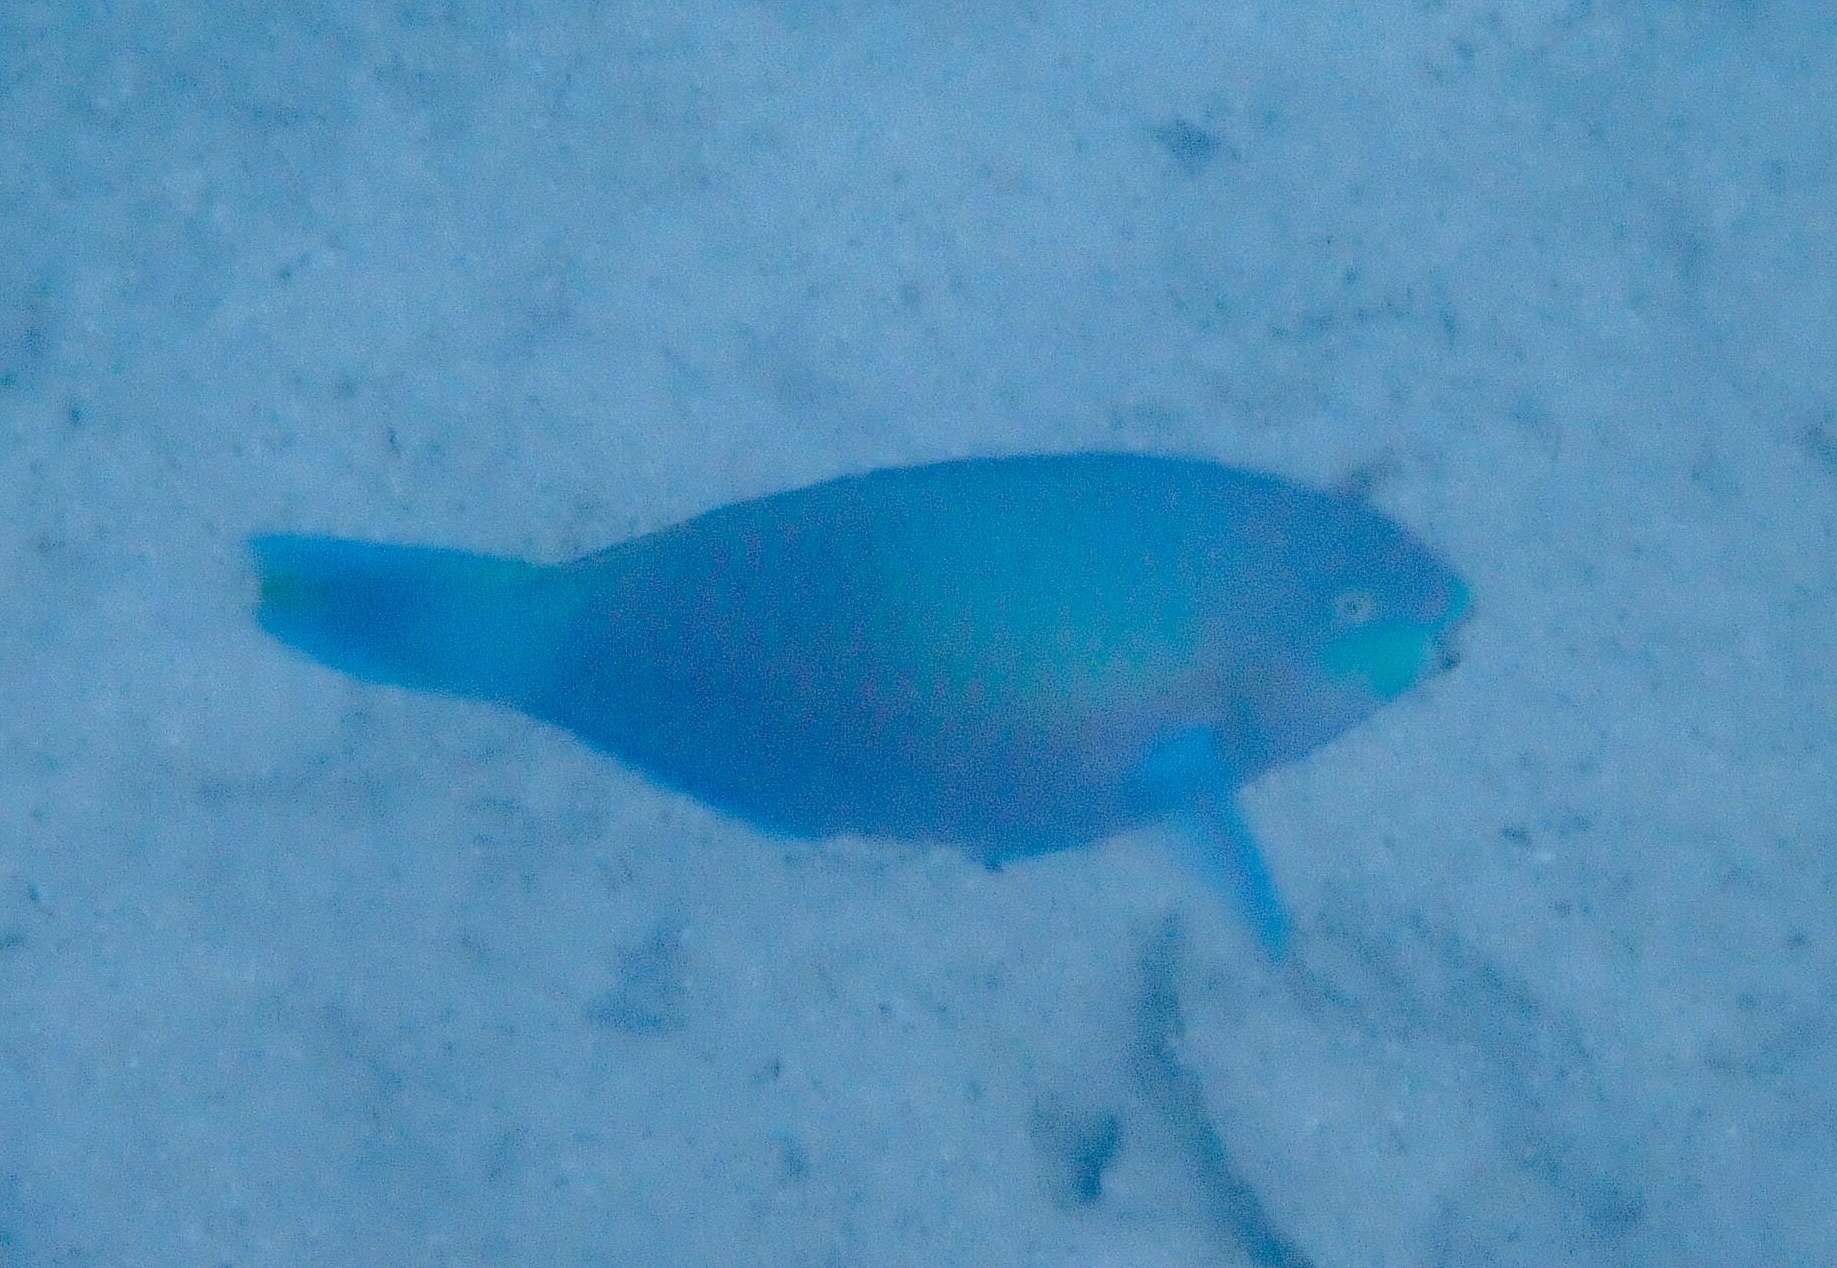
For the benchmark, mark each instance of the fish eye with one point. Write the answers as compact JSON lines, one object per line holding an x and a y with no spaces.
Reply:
{"x":1354,"y":607}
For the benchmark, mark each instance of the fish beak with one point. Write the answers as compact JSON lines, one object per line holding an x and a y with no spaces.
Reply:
{"x":1447,"y":648}
{"x":1447,"y":651}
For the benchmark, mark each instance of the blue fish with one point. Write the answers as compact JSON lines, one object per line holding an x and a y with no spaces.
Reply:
{"x":1015,"y":655}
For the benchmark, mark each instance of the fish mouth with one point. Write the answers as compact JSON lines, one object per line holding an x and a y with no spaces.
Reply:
{"x":1445,"y":648}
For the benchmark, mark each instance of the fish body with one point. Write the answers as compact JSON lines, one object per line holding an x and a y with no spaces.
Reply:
{"x":1016,"y":655}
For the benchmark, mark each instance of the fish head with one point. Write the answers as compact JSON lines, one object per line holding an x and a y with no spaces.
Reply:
{"x":1355,"y":612}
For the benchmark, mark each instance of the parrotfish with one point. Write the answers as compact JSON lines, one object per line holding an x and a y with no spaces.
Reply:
{"x":1013,"y":655}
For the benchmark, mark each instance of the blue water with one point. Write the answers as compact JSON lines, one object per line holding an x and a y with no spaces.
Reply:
{"x":300,"y":968}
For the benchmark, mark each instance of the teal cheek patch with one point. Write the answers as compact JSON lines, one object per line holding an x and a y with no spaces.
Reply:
{"x":1388,"y":657}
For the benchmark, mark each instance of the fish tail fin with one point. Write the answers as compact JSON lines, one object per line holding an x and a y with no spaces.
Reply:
{"x":409,"y":616}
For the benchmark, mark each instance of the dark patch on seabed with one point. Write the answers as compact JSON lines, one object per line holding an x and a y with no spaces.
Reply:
{"x":1820,"y":441}
{"x":1192,"y":147}
{"x":1427,"y":988}
{"x":1553,"y":1114}
{"x":1175,"y":1091}
{"x":1078,"y":1148}
{"x":645,"y":996}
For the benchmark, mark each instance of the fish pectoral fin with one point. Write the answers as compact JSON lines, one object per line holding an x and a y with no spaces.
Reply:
{"x":1218,"y":844}
{"x":1195,"y":785}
